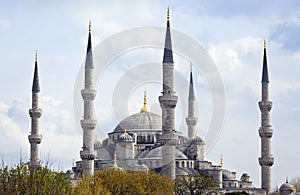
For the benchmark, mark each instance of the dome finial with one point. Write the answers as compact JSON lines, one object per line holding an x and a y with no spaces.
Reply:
{"x":168,"y":14}
{"x":125,"y":131}
{"x":221,"y":161}
{"x":73,"y":163}
{"x":90,"y":26}
{"x":145,"y":108}
{"x":115,"y":159}
{"x":287,"y":180}
{"x":265,"y":43}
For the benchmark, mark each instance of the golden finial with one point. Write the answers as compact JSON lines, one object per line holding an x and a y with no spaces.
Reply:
{"x":168,"y":14}
{"x":36,"y":55}
{"x":191,"y":67}
{"x":90,"y":26}
{"x":221,"y":161}
{"x":265,"y":43}
{"x":125,"y":131}
{"x":145,"y":108}
{"x":73,"y":163}
{"x":195,"y":134}
{"x":115,"y":159}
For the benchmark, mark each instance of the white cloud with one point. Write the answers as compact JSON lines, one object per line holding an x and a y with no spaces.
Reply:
{"x":60,"y":137}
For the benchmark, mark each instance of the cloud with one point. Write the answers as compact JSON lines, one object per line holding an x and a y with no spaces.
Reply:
{"x":287,"y":34}
{"x":60,"y":139}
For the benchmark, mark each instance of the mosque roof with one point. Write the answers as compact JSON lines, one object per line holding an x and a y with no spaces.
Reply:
{"x":197,"y":140}
{"x":228,"y":175}
{"x":156,"y":153}
{"x":286,"y":187}
{"x":143,"y":121}
{"x":125,"y":137}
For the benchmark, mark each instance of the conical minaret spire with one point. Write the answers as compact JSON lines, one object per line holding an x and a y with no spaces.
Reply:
{"x":265,"y":132}
{"x":35,"y":113}
{"x":89,"y":122}
{"x":168,"y":54}
{"x":168,"y":101}
{"x":191,"y":120}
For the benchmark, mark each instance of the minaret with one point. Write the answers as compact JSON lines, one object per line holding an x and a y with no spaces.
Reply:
{"x":89,"y":122}
{"x":191,"y":120}
{"x":35,"y":113}
{"x":168,"y":101}
{"x":265,"y":132}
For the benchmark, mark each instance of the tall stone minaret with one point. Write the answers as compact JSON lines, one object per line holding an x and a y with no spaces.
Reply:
{"x":168,"y":101}
{"x":89,"y":122}
{"x":265,"y":132}
{"x":35,"y":113}
{"x":191,"y":120}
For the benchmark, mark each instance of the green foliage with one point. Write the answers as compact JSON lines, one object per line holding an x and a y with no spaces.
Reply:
{"x":195,"y":184}
{"x":25,"y":179}
{"x":117,"y":182}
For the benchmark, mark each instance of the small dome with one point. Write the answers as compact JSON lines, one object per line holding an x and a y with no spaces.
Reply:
{"x":125,"y":137}
{"x":143,"y":121}
{"x":197,"y":140}
{"x":228,"y":175}
{"x":287,"y":187}
{"x":245,"y":177}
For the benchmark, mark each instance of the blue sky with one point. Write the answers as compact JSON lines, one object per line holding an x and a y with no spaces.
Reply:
{"x":232,"y":32}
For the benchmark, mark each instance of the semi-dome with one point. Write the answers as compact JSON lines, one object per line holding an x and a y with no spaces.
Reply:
{"x":143,"y":121}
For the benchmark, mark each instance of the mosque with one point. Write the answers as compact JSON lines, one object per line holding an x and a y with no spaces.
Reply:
{"x":147,"y":141}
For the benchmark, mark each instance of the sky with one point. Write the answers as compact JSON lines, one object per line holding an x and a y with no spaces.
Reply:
{"x":230,"y":34}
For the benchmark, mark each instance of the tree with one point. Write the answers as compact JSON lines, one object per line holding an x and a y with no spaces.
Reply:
{"x":25,"y":179}
{"x":117,"y":182}
{"x":195,"y":184}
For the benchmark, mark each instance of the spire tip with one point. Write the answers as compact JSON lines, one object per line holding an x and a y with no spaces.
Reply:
{"x":168,"y":14}
{"x":90,"y":26}
{"x":36,"y":55}
{"x":265,"y":43}
{"x":221,"y":161}
{"x":191,"y":67}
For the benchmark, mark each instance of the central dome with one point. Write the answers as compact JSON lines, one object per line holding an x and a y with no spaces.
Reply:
{"x":140,"y":122}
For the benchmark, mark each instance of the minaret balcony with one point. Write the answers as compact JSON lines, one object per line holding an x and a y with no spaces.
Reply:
{"x":169,"y":138}
{"x":87,"y":155}
{"x":266,"y":161}
{"x":35,"y":113}
{"x":88,"y":124}
{"x":191,"y":121}
{"x":35,"y":139}
{"x":267,"y":132}
{"x":88,"y":94}
{"x":265,"y":106}
{"x":168,"y":101}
